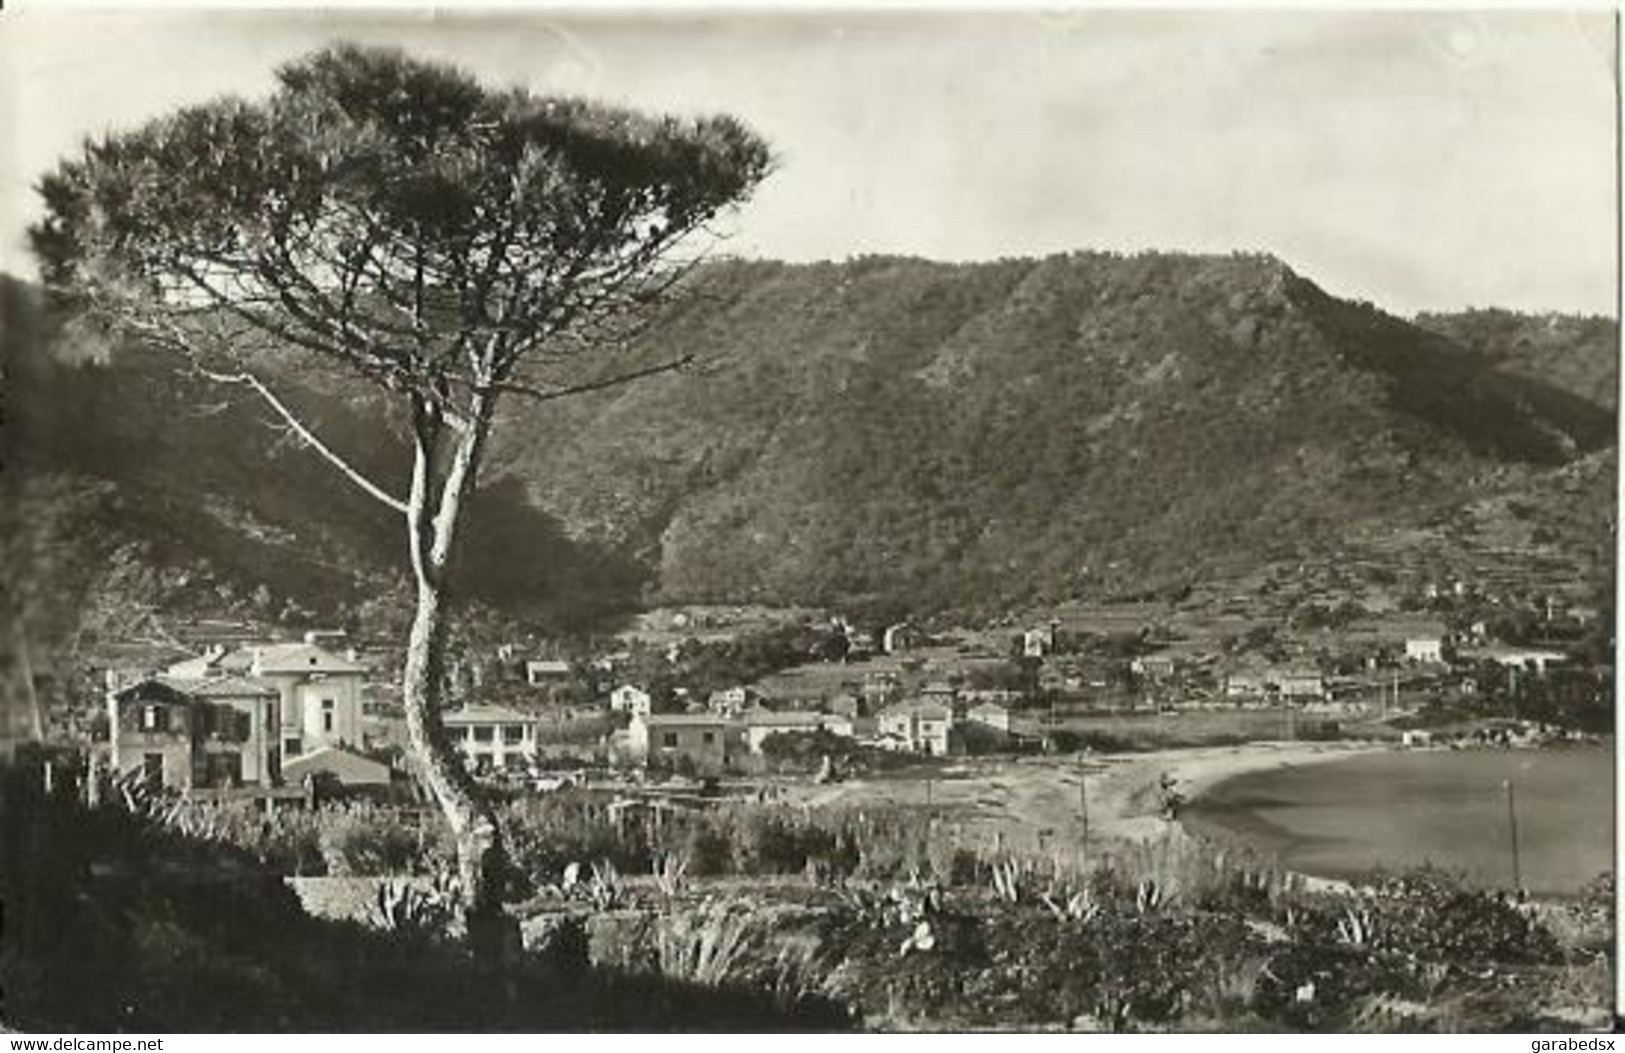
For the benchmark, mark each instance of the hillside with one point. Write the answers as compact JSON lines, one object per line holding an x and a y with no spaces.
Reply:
{"x":967,"y":436}
{"x":884,"y":433}
{"x":1578,"y":354}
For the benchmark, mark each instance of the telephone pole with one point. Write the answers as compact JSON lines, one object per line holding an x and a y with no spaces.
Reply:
{"x":1512,"y":830}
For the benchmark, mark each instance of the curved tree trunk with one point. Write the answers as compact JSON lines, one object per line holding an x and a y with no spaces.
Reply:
{"x":433,"y":512}
{"x":481,"y":850}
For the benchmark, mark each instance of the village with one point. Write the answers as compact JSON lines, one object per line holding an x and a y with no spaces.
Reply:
{"x":255,"y":717}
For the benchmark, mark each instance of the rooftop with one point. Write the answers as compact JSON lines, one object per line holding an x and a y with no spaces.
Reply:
{"x":231,"y":686}
{"x":483,"y":714}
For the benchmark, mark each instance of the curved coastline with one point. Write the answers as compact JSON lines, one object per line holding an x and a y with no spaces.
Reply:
{"x":1386,"y":809}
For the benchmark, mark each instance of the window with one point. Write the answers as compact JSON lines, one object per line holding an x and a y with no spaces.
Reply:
{"x":327,"y":722}
{"x":669,"y":740}
{"x":292,"y":747}
{"x":154,"y":718}
{"x":152,"y":769}
{"x":327,"y":705}
{"x":708,"y":738}
{"x":482,"y":734}
{"x":513,"y":734}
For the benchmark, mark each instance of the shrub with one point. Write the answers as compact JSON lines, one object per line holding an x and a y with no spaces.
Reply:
{"x":1430,"y":915}
{"x":360,"y":840}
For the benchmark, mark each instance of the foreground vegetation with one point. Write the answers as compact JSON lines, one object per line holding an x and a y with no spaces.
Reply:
{"x":758,"y":916}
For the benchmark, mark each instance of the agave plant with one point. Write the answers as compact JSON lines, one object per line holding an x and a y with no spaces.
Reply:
{"x":1149,"y":897}
{"x":406,"y":907}
{"x":1006,"y":877}
{"x":605,"y":889}
{"x":1078,"y":906}
{"x":670,"y":873}
{"x":1354,"y":928}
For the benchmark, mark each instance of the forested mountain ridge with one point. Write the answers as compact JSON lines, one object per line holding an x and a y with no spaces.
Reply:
{"x":936,"y":437}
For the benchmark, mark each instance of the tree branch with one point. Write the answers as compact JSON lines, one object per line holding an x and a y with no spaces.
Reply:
{"x":540,"y":394}
{"x":309,"y":437}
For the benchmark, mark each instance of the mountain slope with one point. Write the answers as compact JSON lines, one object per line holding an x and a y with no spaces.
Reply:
{"x":1577,"y":354}
{"x":889,"y":432}
{"x":975,"y":434}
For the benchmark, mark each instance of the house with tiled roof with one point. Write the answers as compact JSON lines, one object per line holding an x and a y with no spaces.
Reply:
{"x":319,"y":692}
{"x":918,"y":725}
{"x":492,"y":738}
{"x":177,"y":734}
{"x":709,"y":742}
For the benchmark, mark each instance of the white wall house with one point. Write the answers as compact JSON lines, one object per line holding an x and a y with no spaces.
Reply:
{"x":919,"y":726}
{"x":629,"y":698}
{"x":319,"y":692}
{"x":491,"y":737}
{"x":1424,"y":649}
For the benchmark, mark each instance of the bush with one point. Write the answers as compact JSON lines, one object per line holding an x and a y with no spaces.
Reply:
{"x":375,"y":842}
{"x":1430,"y":915}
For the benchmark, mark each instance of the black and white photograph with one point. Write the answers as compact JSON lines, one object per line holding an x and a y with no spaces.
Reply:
{"x":747,"y":519}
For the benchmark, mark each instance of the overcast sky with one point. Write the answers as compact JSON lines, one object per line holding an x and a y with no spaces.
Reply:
{"x":1417,"y":160}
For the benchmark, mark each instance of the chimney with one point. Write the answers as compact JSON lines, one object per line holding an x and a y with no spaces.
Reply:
{"x":352,"y":655}
{"x":310,"y":636}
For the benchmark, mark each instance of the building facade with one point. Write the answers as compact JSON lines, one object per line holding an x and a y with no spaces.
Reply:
{"x":492,"y":738}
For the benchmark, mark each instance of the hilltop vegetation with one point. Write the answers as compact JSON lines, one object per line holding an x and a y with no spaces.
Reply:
{"x":883,"y":433}
{"x":1579,"y":354}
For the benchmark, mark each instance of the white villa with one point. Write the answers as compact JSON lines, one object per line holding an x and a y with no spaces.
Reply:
{"x":491,"y":737}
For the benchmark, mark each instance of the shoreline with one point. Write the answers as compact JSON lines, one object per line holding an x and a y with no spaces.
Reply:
{"x":1195,"y":771}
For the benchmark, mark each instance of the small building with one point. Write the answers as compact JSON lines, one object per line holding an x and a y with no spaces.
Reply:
{"x":547,"y":672}
{"x":1153,"y":667}
{"x":492,"y":738}
{"x":1036,"y":643}
{"x":759,"y":727}
{"x":711,"y":743}
{"x":1244,"y":685}
{"x":1301,"y":684}
{"x":1521,"y":658}
{"x":920,"y":726}
{"x":899,"y":637}
{"x":1416,"y":738}
{"x":1424,"y":649}
{"x":732,"y":701}
{"x":629,"y":698}
{"x":990,"y":714}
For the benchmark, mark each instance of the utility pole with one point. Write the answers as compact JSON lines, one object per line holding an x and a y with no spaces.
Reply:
{"x":1083,"y":794}
{"x":1512,"y":829}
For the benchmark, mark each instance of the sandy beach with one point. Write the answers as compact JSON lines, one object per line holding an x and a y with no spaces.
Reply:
{"x":1040,"y":799}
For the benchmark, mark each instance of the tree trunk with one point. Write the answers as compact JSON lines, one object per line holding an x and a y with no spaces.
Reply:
{"x":481,"y":851}
{"x":433,"y":511}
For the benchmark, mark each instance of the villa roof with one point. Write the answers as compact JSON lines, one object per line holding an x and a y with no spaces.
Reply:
{"x":656,"y":720}
{"x":484,"y":714}
{"x":790,"y":718}
{"x":230,"y":686}
{"x":272,"y":658}
{"x":918,"y":707}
